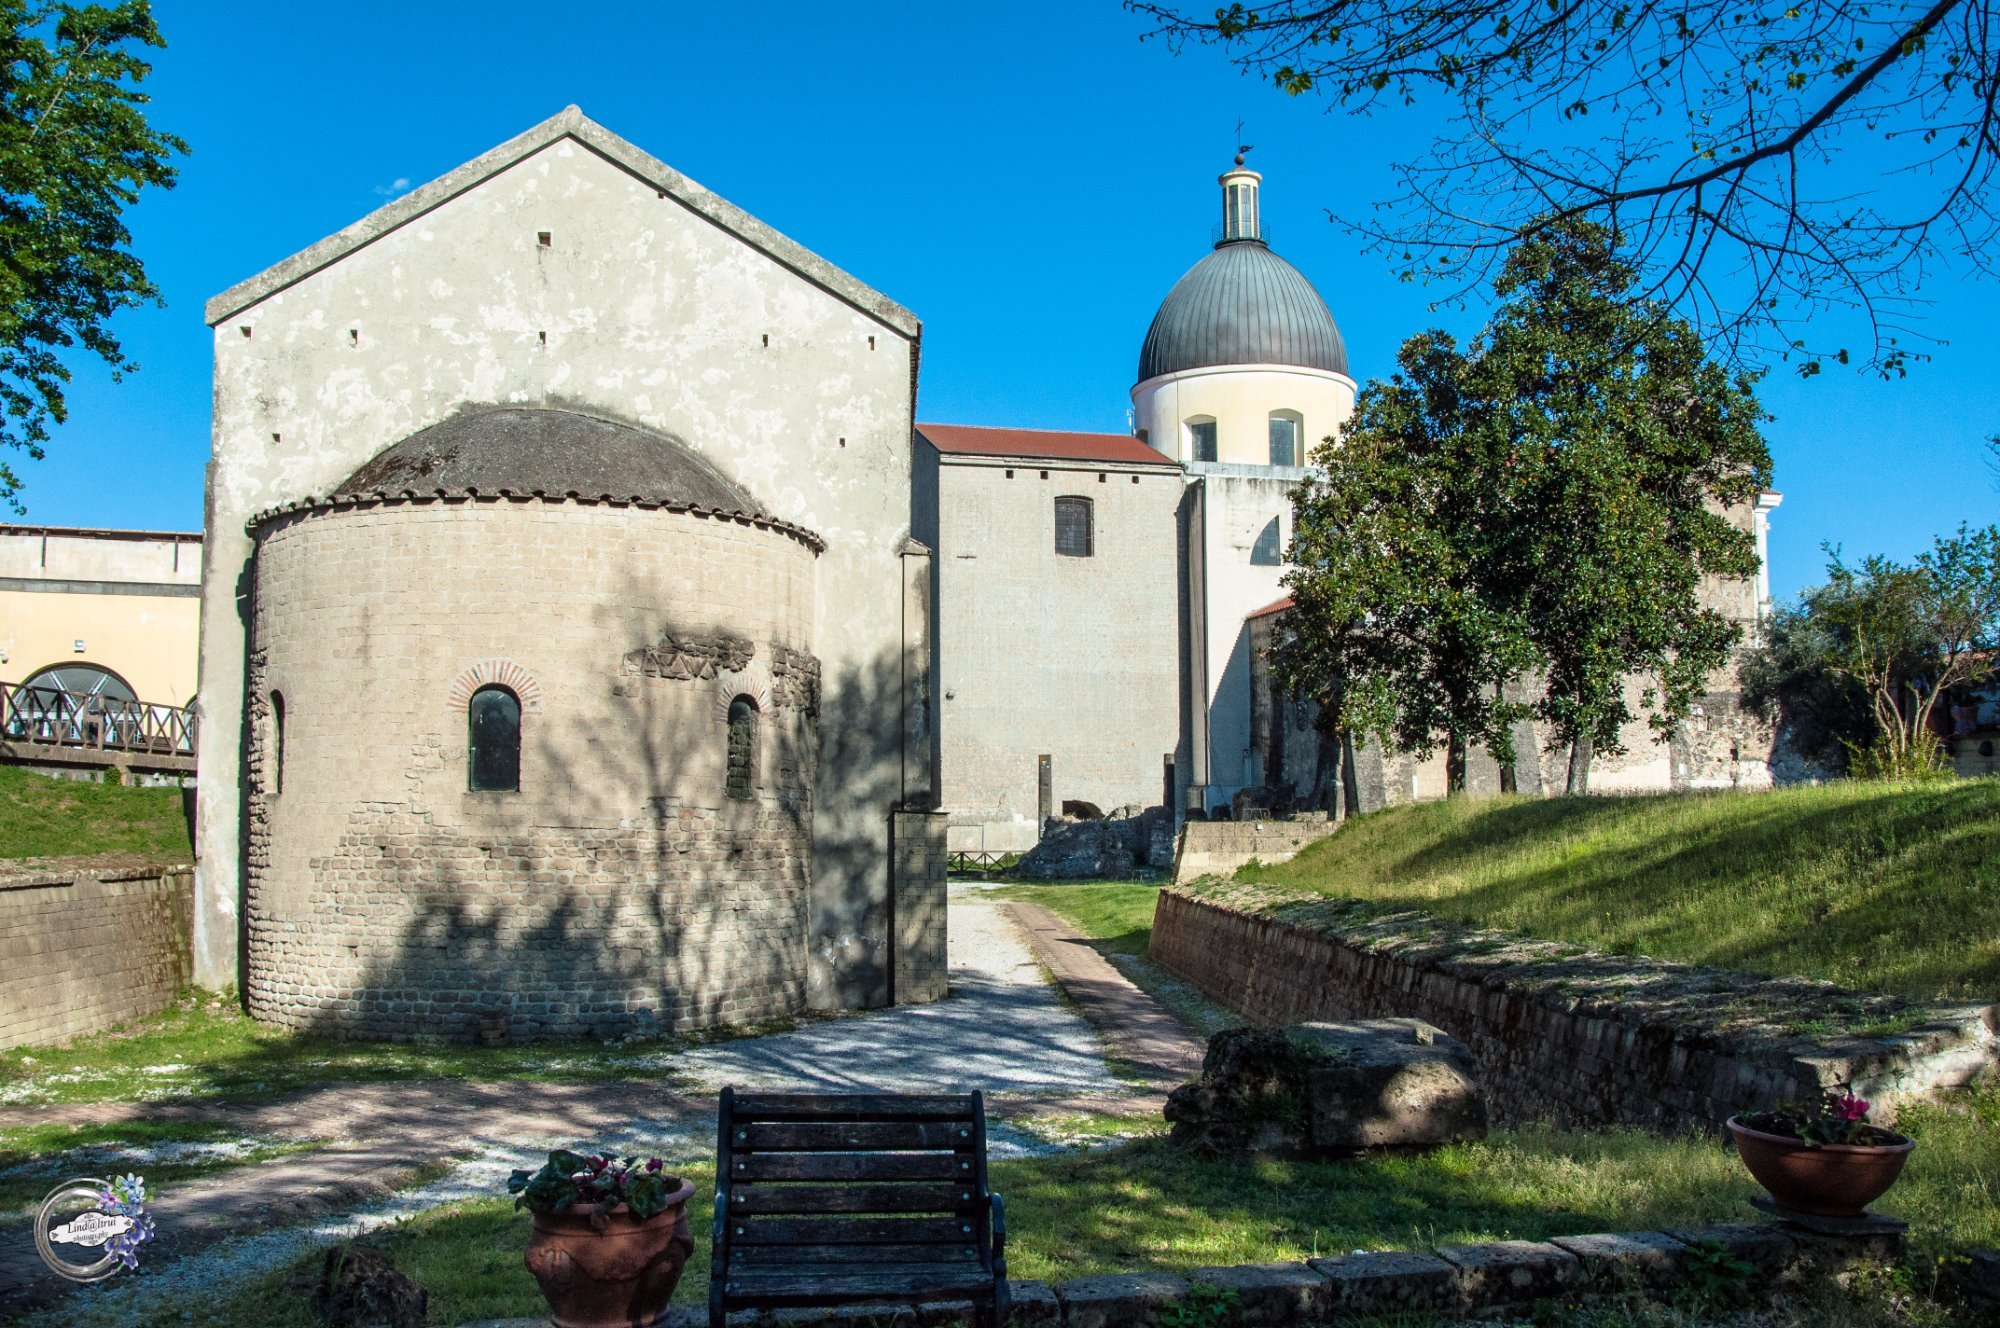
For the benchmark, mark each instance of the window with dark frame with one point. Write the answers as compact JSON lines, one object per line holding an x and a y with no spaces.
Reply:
{"x":1201,"y":433}
{"x":1269,"y":549}
{"x":277,"y":742}
{"x":1284,"y":441}
{"x":1073,"y":527}
{"x":493,"y":741}
{"x":741,"y":782}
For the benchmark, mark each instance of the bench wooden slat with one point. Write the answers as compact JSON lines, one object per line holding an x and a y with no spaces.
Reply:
{"x":797,"y":1256}
{"x":851,"y":1106}
{"x":850,"y":1166}
{"x":819,"y":1286}
{"x":751,"y":1200}
{"x":835,"y":1136}
{"x":851,"y":1230}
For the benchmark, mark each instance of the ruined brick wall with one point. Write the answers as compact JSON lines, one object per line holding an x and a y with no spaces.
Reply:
{"x":87,"y":944}
{"x":1218,"y":848}
{"x":1568,"y":1035}
{"x":620,"y":889}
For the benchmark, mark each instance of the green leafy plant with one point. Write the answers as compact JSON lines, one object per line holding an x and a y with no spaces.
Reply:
{"x":1838,"y":1118}
{"x":568,"y":1179}
{"x":1205,"y":1306}
{"x":1716,"y":1277}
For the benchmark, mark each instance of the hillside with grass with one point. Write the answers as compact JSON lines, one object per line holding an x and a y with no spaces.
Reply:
{"x":1886,"y":887}
{"x":42,"y":817}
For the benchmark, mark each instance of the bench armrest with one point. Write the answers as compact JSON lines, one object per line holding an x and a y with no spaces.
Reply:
{"x":999,"y":1239}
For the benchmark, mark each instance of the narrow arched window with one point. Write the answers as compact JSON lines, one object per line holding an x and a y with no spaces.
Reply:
{"x":1201,"y":439}
{"x":1074,"y":536}
{"x":742,"y":781}
{"x":277,"y":742}
{"x":1285,"y":438}
{"x":493,"y":741}
{"x":1268,"y":551}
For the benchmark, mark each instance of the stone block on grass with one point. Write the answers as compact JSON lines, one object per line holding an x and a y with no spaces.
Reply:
{"x":1505,"y":1272}
{"x":1119,"y":1300}
{"x":1386,"y":1282}
{"x":1269,"y":1293}
{"x":1762,"y":1245}
{"x":1627,"y":1261}
{"x":1035,"y":1306}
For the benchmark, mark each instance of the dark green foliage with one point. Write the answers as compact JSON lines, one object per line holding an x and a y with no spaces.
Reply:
{"x":75,"y":152}
{"x":599,"y":1178}
{"x":1788,"y":676}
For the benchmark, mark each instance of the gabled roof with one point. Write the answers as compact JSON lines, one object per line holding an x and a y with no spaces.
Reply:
{"x":574,"y":124}
{"x":1052,"y":444}
{"x":1278,"y":606}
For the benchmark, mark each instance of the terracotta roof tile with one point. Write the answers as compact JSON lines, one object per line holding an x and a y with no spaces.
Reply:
{"x":1269,"y":609}
{"x":1057,"y":445}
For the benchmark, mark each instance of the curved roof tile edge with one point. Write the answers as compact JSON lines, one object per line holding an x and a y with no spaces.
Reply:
{"x":570,"y":122}
{"x":344,"y":502}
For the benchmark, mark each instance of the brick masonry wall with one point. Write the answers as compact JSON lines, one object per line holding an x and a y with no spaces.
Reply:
{"x":621,"y":889}
{"x":923,"y":970}
{"x":1565,"y":1034}
{"x":84,"y":945}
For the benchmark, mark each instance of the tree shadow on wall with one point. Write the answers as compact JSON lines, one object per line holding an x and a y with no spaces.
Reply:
{"x":622,"y":890}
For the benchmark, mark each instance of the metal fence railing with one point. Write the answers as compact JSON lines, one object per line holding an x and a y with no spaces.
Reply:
{"x":53,"y":717}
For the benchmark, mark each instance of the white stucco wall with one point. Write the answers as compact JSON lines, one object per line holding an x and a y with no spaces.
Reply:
{"x":1045,"y":654}
{"x":651,"y":301}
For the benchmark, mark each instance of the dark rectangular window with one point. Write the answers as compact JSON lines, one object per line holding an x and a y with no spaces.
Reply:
{"x":1073,"y":533}
{"x":1284,"y":441}
{"x":1202,"y":433}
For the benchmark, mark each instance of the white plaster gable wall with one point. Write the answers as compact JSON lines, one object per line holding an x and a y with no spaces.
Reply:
{"x":1241,"y":398}
{"x":795,"y":383}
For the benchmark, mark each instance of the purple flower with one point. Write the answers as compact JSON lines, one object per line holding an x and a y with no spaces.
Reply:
{"x":653,"y":1164}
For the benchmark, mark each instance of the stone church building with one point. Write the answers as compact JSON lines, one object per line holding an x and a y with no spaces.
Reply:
{"x":593,"y":642}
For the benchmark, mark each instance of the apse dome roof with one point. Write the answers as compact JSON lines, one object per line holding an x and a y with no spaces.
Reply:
{"x":1242,"y":305}
{"x":548,"y":451}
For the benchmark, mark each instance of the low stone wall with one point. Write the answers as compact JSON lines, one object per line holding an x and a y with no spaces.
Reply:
{"x":1567,"y":1034}
{"x":87,"y":943}
{"x":1454,"y":1280}
{"x":1218,"y":848}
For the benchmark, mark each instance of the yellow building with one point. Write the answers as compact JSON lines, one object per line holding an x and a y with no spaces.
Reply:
{"x":110,"y":614}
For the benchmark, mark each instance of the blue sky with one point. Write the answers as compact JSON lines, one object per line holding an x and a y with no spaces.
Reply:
{"x":1029,"y":178}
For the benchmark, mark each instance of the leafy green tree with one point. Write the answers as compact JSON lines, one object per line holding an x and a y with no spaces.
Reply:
{"x":1625,"y":444}
{"x":1788,"y":677}
{"x":75,"y":152}
{"x":1909,"y":635}
{"x":1394,"y":631}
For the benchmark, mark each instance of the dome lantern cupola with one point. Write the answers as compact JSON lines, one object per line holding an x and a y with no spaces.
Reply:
{"x":1240,"y":219}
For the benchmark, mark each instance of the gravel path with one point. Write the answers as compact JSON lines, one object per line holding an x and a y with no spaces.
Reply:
{"x":1003,"y":1029}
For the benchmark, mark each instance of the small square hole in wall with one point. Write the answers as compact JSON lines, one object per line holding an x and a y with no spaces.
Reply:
{"x":1045,"y":474}
{"x":544,"y":239}
{"x":767,"y":341}
{"x":354,"y":336}
{"x":1135,"y":479}
{"x":1010,"y":474}
{"x":871,"y":343}
{"x":277,"y":438}
{"x":843,"y":442}
{"x":246,"y":331}
{"x":543,"y":337}
{"x":1100,"y":477}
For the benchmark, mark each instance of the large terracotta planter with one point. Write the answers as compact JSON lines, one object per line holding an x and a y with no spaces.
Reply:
{"x":620,"y":1277}
{"x":1832,"y":1180}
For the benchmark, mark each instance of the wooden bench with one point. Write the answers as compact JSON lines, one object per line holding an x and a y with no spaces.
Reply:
{"x":854,"y":1198}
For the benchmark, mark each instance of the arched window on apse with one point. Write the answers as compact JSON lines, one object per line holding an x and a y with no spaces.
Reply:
{"x":493,"y":741}
{"x":742,"y":780}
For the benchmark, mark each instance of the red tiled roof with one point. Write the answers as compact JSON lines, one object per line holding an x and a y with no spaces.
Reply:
{"x":1057,"y":445}
{"x":1270,"y":609}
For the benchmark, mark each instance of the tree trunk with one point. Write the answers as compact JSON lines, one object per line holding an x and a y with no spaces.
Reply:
{"x":1509,"y":781}
{"x":1454,"y":765}
{"x":1350,"y":778}
{"x":1579,"y":765}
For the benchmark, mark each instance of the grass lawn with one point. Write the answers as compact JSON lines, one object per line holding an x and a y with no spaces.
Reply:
{"x":1884,"y":887}
{"x":206,"y":1047}
{"x":42,"y":817}
{"x":1142,"y":1204}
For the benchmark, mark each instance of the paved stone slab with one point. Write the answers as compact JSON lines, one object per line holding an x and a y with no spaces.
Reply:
{"x":1507,"y":1271}
{"x":1388,"y":1281}
{"x":1272,"y":1294}
{"x":1119,"y":1300}
{"x":1035,"y":1305}
{"x":1628,"y":1260}
{"x":1140,"y":1030}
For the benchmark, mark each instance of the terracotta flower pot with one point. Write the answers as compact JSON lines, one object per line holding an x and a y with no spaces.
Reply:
{"x":1832,"y":1180}
{"x":620,"y":1277}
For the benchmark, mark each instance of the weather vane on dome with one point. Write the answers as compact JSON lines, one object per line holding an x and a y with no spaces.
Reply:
{"x":1241,"y":146}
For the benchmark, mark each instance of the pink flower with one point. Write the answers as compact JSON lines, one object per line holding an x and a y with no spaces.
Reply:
{"x":653,"y":1165}
{"x":596,"y":1164}
{"x":1851,"y":1108}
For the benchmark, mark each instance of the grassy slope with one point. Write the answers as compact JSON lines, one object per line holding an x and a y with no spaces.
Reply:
{"x":1889,"y":887}
{"x":43,"y":817}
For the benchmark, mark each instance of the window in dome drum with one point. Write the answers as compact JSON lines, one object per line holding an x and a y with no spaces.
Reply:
{"x":1269,"y":548}
{"x":1073,"y":532}
{"x":1201,"y":433}
{"x":1284,"y":440}
{"x":493,"y":741}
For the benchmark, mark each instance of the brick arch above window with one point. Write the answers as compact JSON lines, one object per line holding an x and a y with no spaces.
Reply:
{"x":752,"y":680}
{"x":497,"y":672}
